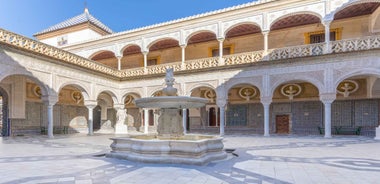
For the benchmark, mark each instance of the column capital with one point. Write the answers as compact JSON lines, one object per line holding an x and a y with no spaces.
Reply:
{"x":50,"y":99}
{"x":266,"y":100}
{"x":183,"y":45}
{"x":221,"y":39}
{"x":327,"y":97}
{"x":326,"y":22}
{"x":265,"y":32}
{"x":90,"y":104}
{"x":145,"y":52}
{"x":221,"y":102}
{"x":119,"y":106}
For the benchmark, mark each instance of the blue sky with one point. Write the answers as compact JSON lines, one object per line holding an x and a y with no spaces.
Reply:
{"x":27,"y":17}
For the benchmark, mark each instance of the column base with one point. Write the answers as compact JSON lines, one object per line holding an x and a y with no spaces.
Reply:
{"x":377,"y":133}
{"x":327,"y":136}
{"x":266,"y":135}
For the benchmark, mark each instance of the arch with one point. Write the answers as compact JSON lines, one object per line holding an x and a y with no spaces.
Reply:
{"x":357,"y":72}
{"x":154,"y":90}
{"x":199,"y":85}
{"x":123,"y":50}
{"x":135,"y":95}
{"x":198,"y":32}
{"x":99,"y":52}
{"x":152,"y":42}
{"x":232,"y":83}
{"x":351,"y":3}
{"x":319,"y":16}
{"x":110,"y":93}
{"x":301,"y":78}
{"x":229,"y":28}
{"x":44,"y":87}
{"x":77,"y":85}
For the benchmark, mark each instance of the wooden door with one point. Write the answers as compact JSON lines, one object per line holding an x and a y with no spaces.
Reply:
{"x":282,"y":124}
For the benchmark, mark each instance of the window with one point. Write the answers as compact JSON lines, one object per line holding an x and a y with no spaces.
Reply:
{"x":62,"y":40}
{"x":151,"y":61}
{"x":227,"y":50}
{"x":319,"y":36}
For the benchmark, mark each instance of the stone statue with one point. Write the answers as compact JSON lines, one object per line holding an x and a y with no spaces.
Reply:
{"x":169,"y":80}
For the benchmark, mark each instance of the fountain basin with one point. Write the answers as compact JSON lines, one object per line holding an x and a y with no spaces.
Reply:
{"x":188,"y":149}
{"x":177,"y":102}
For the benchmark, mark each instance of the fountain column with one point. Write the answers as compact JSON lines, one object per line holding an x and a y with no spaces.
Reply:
{"x":222,"y":105}
{"x":146,"y":121}
{"x":184,"y":119}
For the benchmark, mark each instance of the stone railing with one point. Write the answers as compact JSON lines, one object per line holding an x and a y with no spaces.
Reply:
{"x":348,"y":45}
{"x":18,"y":41}
{"x":296,"y":51}
{"x":37,"y":47}
{"x":241,"y":58}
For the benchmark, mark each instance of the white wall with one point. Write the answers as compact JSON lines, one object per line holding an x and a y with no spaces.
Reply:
{"x":73,"y":37}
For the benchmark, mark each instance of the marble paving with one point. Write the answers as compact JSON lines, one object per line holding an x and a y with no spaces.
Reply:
{"x":79,"y":159}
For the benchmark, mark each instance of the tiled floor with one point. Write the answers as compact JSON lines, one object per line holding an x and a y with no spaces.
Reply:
{"x":276,"y":159}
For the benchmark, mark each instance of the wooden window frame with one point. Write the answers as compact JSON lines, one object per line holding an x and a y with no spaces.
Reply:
{"x":232,"y":49}
{"x":158,"y":58}
{"x":338,"y":34}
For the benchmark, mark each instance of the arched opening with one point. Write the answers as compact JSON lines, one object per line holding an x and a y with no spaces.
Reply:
{"x":357,"y":106}
{"x":292,"y":30}
{"x":4,"y":122}
{"x":244,"y":109}
{"x":104,"y":115}
{"x":202,"y":45}
{"x":135,"y":117}
{"x":164,"y":51}
{"x":132,"y":57}
{"x":69,"y":111}
{"x":240,"y":38}
{"x":296,"y":109}
{"x":23,"y":111}
{"x":207,"y":117}
{"x":106,"y":57}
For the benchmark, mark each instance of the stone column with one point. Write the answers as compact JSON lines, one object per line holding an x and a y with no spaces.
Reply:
{"x":327,"y":100}
{"x":377,"y":133}
{"x":184,"y":119}
{"x":146,"y":121}
{"x":222,"y":105}
{"x":327,"y":36}
{"x":121,"y":115}
{"x":50,"y":101}
{"x":221,"y":60}
{"x":145,"y":61}
{"x":119,"y":62}
{"x":265,"y":33}
{"x":183,"y":47}
{"x":90,"y":104}
{"x":266,"y":101}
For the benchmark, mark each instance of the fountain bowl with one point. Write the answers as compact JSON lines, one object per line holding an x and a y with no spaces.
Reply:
{"x":177,"y":102}
{"x":189,"y":149}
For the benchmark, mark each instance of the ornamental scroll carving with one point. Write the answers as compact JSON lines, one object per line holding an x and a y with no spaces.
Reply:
{"x":291,"y":90}
{"x":347,"y":87}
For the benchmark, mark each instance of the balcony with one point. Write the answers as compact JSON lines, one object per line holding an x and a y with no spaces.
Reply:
{"x":341,"y":46}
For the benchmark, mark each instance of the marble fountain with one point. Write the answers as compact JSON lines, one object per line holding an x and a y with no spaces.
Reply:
{"x":170,"y":144}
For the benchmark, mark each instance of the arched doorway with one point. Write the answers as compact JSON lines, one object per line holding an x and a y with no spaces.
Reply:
{"x":4,"y":122}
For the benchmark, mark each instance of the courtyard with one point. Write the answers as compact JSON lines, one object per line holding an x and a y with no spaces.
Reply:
{"x":79,"y":159}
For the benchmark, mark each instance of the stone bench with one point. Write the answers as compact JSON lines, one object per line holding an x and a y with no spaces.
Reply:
{"x":340,"y":130}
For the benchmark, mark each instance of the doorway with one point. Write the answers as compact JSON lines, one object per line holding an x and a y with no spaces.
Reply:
{"x":282,"y":124}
